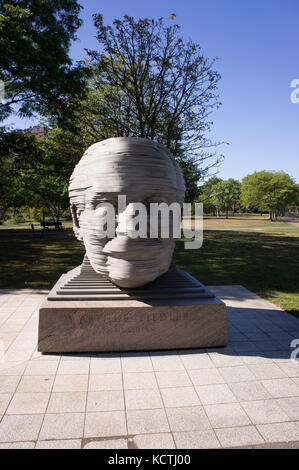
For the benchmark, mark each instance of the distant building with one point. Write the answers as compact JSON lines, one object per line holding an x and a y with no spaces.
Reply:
{"x":37,"y":131}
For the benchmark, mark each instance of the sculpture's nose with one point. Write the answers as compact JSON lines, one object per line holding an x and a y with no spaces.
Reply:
{"x":133,"y":221}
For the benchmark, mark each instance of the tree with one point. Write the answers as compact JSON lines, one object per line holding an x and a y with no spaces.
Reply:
{"x":204,"y":195}
{"x":36,"y":173}
{"x":46,"y":190}
{"x":35,"y":36}
{"x":268,"y":191}
{"x":192,"y":174}
{"x":293,"y":206}
{"x":147,"y":82}
{"x":16,"y":150}
{"x":225,"y":195}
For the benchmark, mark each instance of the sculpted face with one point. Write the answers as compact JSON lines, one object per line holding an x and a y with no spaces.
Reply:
{"x":142,"y":170}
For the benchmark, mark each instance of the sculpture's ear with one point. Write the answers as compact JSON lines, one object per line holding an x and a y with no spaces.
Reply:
{"x":76,"y":224}
{"x":75,"y":216}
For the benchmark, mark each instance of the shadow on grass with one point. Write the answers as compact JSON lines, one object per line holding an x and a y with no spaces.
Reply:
{"x":37,"y":260}
{"x":265,"y":264}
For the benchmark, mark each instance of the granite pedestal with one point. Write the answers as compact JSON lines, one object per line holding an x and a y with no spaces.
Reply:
{"x":86,"y":313}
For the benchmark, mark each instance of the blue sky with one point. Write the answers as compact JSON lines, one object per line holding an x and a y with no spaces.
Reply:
{"x":257,"y":45}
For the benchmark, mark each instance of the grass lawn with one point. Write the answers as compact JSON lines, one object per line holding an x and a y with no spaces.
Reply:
{"x":265,"y":262}
{"x":241,"y":222}
{"x":36,"y":259}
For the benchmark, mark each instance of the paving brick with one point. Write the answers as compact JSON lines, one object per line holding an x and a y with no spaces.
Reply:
{"x":183,"y":396}
{"x":196,"y":360}
{"x":143,"y":399}
{"x":59,"y":444}
{"x":147,"y":421}
{"x":28,"y":403}
{"x":105,"y":424}
{"x":136,"y":363}
{"x":279,"y":432}
{"x":67,"y":402}
{"x":107,"y":444}
{"x":4,"y":400}
{"x":76,"y":367}
{"x":245,"y":391}
{"x":237,"y":374}
{"x":174,"y":378}
{"x":166,"y":362}
{"x":15,"y":428}
{"x":226,"y":415}
{"x":62,"y":426}
{"x":264,"y":411}
{"x":280,"y":388}
{"x":104,"y":365}
{"x":41,"y":368}
{"x":36,"y":383}
{"x":139,"y":380}
{"x":105,"y":400}
{"x":98,"y":382}
{"x":239,"y":436}
{"x":70,"y":383}
{"x":217,"y":393}
{"x":289,"y":368}
{"x":22,"y":445}
{"x":191,"y":418}
{"x":152,"y":441}
{"x":8,"y":383}
{"x":290,"y":405}
{"x":196,"y":440}
{"x":266,"y":371}
{"x":225,"y":359}
{"x":206,"y":377}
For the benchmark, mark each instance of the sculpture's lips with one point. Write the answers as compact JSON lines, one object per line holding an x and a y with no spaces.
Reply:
{"x":133,"y":273}
{"x":133,"y":249}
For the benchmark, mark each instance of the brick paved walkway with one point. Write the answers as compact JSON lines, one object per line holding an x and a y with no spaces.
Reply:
{"x":244,"y":395}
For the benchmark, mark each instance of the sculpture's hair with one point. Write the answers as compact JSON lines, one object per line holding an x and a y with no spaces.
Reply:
{"x":128,"y":164}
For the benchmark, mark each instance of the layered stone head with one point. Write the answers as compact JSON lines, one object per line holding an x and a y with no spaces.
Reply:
{"x":143,"y":171}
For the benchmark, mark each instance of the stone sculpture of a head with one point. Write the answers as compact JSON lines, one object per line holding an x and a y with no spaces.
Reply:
{"x":142,"y":170}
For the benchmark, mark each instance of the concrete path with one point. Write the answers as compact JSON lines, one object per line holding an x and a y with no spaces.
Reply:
{"x":244,"y":395}
{"x":291,"y":220}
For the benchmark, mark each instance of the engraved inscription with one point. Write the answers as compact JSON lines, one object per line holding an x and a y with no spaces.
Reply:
{"x":126,"y":317}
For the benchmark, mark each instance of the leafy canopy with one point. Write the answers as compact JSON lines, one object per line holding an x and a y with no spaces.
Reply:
{"x":35,"y":36}
{"x":268,"y":191}
{"x":225,"y":194}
